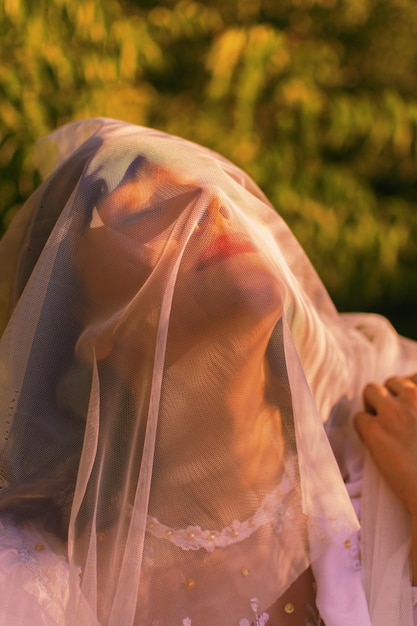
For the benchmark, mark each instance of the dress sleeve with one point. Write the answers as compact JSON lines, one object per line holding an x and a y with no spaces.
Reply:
{"x":33,"y":579}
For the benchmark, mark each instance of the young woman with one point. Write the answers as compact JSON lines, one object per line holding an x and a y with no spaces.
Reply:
{"x":169,"y":369}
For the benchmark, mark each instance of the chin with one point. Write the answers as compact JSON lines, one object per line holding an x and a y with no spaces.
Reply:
{"x":253,"y":286}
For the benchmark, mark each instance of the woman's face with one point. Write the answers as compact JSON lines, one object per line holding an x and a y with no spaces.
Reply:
{"x":223,"y":277}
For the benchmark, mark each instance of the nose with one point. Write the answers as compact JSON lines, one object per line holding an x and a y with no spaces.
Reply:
{"x":224,"y":212}
{"x":215,"y":208}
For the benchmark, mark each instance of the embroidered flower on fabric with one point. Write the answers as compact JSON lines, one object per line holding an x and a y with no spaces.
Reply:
{"x":353,"y":552}
{"x":261,"y":620}
{"x":283,"y":519}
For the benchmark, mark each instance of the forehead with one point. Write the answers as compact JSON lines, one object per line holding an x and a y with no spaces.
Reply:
{"x":176,"y":159}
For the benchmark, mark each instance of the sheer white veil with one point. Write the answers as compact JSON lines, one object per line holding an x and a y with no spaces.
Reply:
{"x":169,"y":364}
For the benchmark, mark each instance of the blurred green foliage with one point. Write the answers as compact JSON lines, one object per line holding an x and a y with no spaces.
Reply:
{"x":316,"y":99}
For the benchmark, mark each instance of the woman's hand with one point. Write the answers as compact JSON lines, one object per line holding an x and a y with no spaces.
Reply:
{"x":388,"y":428}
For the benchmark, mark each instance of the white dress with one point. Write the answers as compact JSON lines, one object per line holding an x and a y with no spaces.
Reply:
{"x":33,"y":578}
{"x":171,"y":343}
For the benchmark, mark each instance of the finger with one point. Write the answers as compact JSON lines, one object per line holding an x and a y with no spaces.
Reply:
{"x":363,"y":422}
{"x":374,"y":396}
{"x":404,"y":390}
{"x":398,"y":384}
{"x":413,"y":378}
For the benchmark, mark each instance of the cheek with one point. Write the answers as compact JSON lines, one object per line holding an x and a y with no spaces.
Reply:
{"x":111,"y":271}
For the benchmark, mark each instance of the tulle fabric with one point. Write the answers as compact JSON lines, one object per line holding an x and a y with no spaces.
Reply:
{"x":33,"y":578}
{"x":169,"y":361}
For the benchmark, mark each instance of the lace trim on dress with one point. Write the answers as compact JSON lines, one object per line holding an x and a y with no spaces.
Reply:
{"x":273,"y":510}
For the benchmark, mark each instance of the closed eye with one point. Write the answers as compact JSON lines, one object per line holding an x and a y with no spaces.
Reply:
{"x":131,"y":217}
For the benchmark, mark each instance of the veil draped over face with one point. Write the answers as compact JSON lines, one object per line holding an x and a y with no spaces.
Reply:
{"x":168,"y":370}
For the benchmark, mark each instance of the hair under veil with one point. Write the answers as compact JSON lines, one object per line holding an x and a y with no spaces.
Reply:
{"x":169,"y":363}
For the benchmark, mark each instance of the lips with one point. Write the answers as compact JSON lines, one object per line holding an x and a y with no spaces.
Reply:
{"x":223,"y":247}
